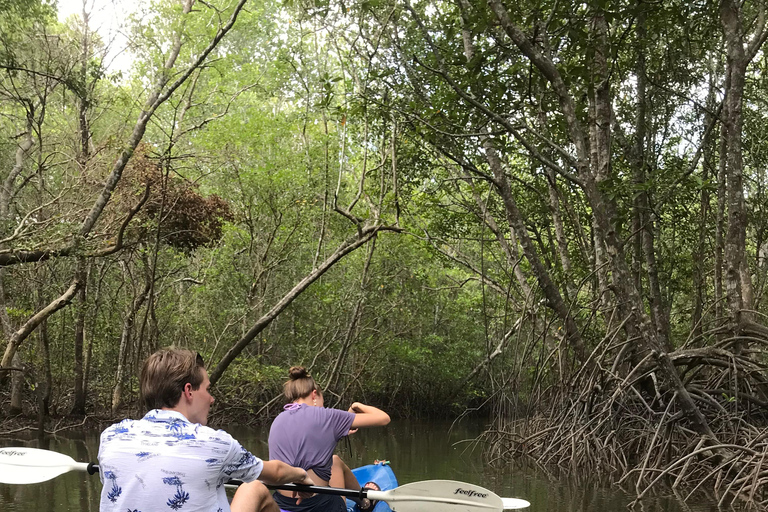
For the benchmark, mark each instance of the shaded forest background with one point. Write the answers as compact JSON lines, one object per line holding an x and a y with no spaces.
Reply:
{"x":551,"y":213}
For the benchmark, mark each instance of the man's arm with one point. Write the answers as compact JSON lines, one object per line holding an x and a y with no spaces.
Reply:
{"x":278,"y":472}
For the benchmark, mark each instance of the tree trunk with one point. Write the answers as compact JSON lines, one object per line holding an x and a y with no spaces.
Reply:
{"x":78,"y":407}
{"x":45,"y":381}
{"x":551,"y":292}
{"x":639,"y":207}
{"x":126,"y":336}
{"x":602,"y":264}
{"x":17,"y":387}
{"x":658,"y":310}
{"x":44,"y":376}
{"x":7,"y":188}
{"x":720,"y":220}
{"x":562,"y":242}
{"x":510,"y":252}
{"x":697,"y":258}
{"x":735,"y":237}
{"x":82,"y":157}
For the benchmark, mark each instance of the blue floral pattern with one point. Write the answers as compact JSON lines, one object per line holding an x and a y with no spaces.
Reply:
{"x":180,"y":498}
{"x":164,"y":461}
{"x":115,"y":491}
{"x":176,"y":425}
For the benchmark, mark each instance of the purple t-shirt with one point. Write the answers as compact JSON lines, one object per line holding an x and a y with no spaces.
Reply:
{"x":305,"y":436}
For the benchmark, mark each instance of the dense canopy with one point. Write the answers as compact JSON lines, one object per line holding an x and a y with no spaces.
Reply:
{"x":552,"y":213}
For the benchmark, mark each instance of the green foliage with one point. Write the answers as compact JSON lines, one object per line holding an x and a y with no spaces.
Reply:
{"x":250,"y":162}
{"x":16,"y":16}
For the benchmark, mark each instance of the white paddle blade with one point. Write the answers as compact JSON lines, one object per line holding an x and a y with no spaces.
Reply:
{"x":439,"y":496}
{"x":30,"y":475}
{"x":514,"y":503}
{"x":21,"y":465}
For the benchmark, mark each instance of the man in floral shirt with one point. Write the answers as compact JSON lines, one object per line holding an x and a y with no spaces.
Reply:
{"x":169,"y":460}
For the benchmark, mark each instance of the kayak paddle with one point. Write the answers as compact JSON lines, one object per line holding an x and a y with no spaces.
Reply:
{"x":426,"y":496}
{"x":21,"y":465}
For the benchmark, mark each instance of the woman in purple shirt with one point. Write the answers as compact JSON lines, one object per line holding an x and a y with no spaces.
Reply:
{"x":305,"y":435}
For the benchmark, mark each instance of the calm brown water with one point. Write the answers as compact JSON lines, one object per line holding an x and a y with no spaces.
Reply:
{"x":417,"y":451}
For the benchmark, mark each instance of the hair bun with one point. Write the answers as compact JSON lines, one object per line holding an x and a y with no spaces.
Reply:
{"x":298,"y":372}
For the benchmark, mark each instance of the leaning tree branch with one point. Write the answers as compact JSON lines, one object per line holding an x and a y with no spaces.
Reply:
{"x":351,"y":244}
{"x":20,"y":335}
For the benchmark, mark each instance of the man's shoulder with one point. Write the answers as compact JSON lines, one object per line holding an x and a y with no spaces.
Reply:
{"x":162,"y":424}
{"x":119,"y":427}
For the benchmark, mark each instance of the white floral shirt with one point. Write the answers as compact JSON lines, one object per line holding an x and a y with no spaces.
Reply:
{"x":163,"y":462}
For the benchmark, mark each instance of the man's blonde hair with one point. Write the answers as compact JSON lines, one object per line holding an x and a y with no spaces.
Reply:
{"x":165,"y":374}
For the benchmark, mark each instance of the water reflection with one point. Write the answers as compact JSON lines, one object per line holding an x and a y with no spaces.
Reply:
{"x":417,"y":450}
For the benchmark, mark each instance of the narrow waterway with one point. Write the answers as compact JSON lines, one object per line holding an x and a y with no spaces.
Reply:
{"x":422,"y":450}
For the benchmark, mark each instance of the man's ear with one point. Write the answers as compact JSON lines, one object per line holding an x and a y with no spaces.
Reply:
{"x":187,"y":393}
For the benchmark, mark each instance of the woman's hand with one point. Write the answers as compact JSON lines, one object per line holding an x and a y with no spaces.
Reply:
{"x":303,"y":495}
{"x":355,"y":408}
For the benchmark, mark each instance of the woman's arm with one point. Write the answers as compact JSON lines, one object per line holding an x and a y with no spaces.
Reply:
{"x":368,"y":416}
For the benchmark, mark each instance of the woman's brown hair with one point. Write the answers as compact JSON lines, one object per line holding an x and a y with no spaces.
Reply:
{"x":300,"y":384}
{"x":166,"y":372}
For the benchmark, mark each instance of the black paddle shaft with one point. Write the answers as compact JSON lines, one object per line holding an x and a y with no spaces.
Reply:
{"x":334,"y":491}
